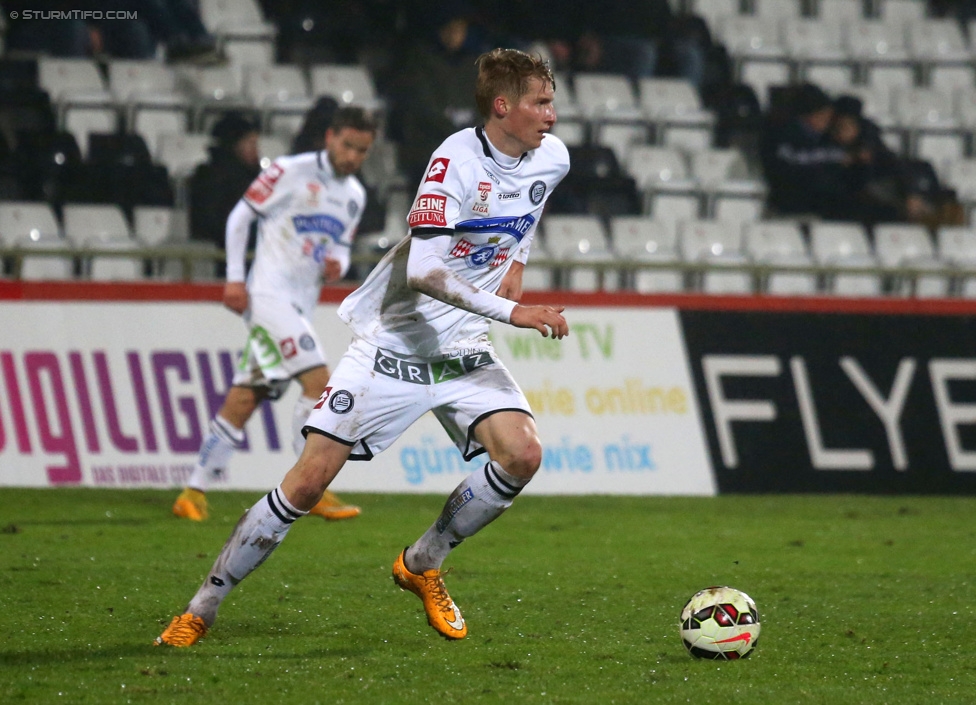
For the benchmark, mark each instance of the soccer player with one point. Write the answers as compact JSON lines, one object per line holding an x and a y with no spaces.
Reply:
{"x":421,"y":344}
{"x":308,"y":207}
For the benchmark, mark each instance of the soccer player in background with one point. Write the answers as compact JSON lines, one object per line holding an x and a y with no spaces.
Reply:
{"x":420,"y":324}
{"x":307,"y":207}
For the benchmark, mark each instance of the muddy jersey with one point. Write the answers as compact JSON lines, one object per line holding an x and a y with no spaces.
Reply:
{"x":306,"y":213}
{"x":489,"y":205}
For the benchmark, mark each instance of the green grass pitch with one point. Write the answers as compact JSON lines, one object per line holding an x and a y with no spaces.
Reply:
{"x":568,"y":600}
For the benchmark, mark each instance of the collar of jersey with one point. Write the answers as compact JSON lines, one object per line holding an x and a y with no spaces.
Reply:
{"x":324,"y":164}
{"x":494,"y":154}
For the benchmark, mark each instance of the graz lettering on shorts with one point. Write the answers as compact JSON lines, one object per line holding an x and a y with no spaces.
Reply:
{"x":452,"y":508}
{"x":428,"y":372}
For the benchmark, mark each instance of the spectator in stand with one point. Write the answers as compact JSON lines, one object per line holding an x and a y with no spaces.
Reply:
{"x":218,"y":184}
{"x":432,"y":94}
{"x":803,"y":167}
{"x":886,"y":187}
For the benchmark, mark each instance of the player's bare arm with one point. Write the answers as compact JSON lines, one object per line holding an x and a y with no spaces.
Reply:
{"x":511,"y":286}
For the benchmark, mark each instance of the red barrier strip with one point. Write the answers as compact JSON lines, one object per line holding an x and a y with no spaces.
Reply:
{"x":166,"y":291}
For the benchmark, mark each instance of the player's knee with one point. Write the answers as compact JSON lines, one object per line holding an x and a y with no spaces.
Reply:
{"x":524,"y":460}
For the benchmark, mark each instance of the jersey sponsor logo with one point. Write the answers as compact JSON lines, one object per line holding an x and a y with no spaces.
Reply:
{"x":325,"y":395}
{"x":341,"y":402}
{"x":318,"y":223}
{"x":288,"y":349}
{"x":318,"y":251}
{"x":263,"y":186}
{"x":453,"y":506}
{"x":537,"y":191}
{"x":479,"y":256}
{"x":514,"y":196}
{"x":313,"y":193}
{"x":428,"y":209}
{"x":516,"y":226}
{"x":437,"y":170}
{"x":417,"y":372}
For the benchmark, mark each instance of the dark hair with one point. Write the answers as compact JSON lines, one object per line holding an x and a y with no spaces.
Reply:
{"x":848,"y":105}
{"x":507,"y":72}
{"x":231,"y":128}
{"x":355,"y":117}
{"x":809,"y":99}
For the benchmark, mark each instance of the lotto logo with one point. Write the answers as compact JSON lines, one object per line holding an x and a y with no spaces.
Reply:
{"x":263,"y":186}
{"x":428,"y":209}
{"x":437,"y":170}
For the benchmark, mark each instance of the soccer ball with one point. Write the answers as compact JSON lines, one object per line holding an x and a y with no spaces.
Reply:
{"x":720,"y":623}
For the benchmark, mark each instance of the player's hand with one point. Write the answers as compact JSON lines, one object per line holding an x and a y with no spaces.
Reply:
{"x":235,"y":297}
{"x":333,"y":269}
{"x":511,"y":286}
{"x":548,"y":320}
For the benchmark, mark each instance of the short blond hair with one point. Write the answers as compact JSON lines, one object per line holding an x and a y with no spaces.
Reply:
{"x":507,"y":72}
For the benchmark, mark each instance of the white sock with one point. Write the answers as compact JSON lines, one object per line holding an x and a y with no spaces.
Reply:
{"x":480,"y":499}
{"x":215,"y":452}
{"x":299,"y":415}
{"x":256,"y":535}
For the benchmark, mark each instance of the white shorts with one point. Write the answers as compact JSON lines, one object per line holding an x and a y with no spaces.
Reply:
{"x":374,"y":396}
{"x":281,"y":345}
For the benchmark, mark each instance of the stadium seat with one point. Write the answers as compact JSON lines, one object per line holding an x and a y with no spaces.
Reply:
{"x":778,"y":10}
{"x":94,"y":225}
{"x":728,"y":191}
{"x":937,"y":43}
{"x":780,"y":245}
{"x":349,"y":85}
{"x":84,"y":121}
{"x":145,"y":85}
{"x":277,"y":89}
{"x":639,"y":239}
{"x":956,"y":245}
{"x":904,"y":245}
{"x":621,"y":137}
{"x":840,"y":11}
{"x":152,"y":225}
{"x":571,"y":126}
{"x":214,"y":90}
{"x":720,"y":245}
{"x":150,"y":124}
{"x":816,"y":46}
{"x":659,"y":169}
{"x":270,"y":148}
{"x":236,"y":19}
{"x":901,"y":12}
{"x":73,"y":83}
{"x":109,"y":267}
{"x":580,"y":240}
{"x":605,"y":97}
{"x":675,"y":108}
{"x":714,"y":11}
{"x":181,"y":153}
{"x":32,"y":226}
{"x":881,"y":50}
{"x":845,"y":246}
{"x":952,"y":78}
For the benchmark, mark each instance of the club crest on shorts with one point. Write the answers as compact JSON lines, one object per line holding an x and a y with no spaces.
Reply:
{"x":341,"y":402}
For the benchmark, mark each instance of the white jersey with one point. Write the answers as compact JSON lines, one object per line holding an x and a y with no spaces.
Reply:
{"x":490,"y":204}
{"x":306,"y":213}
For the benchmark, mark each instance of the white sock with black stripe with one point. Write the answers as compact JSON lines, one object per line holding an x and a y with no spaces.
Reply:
{"x":215,"y":452}
{"x":256,"y":535}
{"x":480,"y":499}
